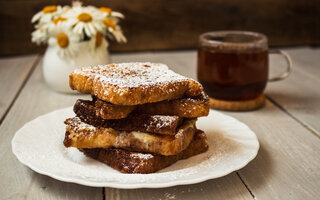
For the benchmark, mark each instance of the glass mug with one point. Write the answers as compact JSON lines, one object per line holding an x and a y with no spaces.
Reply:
{"x":234,"y":65}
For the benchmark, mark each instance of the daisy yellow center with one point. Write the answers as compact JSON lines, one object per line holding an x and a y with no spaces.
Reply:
{"x":49,"y":9}
{"x":84,"y":17}
{"x":63,"y":40}
{"x":109,"y":23}
{"x":98,"y":39}
{"x":106,"y":10}
{"x":59,"y":19}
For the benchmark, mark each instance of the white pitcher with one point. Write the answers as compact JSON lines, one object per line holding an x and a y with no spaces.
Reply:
{"x":56,"y":70}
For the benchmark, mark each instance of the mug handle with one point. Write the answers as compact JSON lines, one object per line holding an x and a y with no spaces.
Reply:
{"x":289,"y":66}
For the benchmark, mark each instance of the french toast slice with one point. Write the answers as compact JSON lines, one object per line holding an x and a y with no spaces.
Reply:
{"x":144,"y":163}
{"x":159,"y":124}
{"x":183,"y":107}
{"x":133,"y":83}
{"x":82,"y":135}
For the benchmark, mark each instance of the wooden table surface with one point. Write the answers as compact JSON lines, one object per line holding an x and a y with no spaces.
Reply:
{"x":286,"y":167}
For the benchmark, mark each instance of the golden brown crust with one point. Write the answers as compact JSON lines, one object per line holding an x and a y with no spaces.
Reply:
{"x":82,"y":135}
{"x":132,"y":162}
{"x":133,"y":83}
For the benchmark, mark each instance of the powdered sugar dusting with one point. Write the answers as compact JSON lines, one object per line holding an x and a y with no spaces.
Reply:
{"x":80,"y":126}
{"x":162,"y":121}
{"x":131,"y":74}
{"x":142,"y":155}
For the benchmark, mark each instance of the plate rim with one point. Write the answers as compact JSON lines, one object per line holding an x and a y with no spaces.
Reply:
{"x":170,"y":183}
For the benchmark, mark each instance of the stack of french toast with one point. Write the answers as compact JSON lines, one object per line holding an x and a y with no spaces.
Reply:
{"x":141,"y":119}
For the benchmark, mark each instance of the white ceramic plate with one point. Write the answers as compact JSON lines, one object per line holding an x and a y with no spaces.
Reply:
{"x":38,"y":145}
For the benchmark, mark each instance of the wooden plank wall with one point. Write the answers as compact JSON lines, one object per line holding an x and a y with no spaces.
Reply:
{"x":174,"y":24}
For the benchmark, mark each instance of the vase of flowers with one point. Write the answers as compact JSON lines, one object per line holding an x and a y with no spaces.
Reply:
{"x":77,"y":36}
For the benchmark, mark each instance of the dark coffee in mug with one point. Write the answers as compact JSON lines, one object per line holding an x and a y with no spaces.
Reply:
{"x":231,"y":74}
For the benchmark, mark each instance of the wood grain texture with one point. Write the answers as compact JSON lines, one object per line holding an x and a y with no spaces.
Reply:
{"x":18,"y":181}
{"x":13,"y":72}
{"x":288,"y":162}
{"x":228,"y":187}
{"x":164,"y":24}
{"x":299,"y":94}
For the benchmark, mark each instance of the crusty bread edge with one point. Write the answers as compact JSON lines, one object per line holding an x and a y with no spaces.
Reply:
{"x":136,"y":95}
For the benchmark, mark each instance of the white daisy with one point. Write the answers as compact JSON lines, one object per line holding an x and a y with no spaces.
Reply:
{"x":57,"y":21}
{"x":39,"y":36}
{"x":76,"y":4}
{"x":85,"y":19}
{"x":100,"y":42}
{"x":114,"y":30}
{"x":64,"y":40}
{"x":67,"y":28}
{"x":108,"y":12}
{"x":98,"y":45}
{"x":48,"y":13}
{"x":119,"y":35}
{"x":109,"y":24}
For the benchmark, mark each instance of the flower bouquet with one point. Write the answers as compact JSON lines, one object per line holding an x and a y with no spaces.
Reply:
{"x":77,"y":36}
